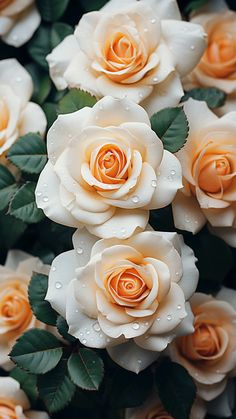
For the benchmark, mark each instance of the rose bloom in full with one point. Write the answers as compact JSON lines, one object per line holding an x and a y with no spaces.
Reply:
{"x":14,"y":404}
{"x":134,"y":49}
{"x":208,"y":161}
{"x":18,"y":116}
{"x":217,"y":68}
{"x":18,"y":21}
{"x":209,"y":354}
{"x":128,"y":296}
{"x":106,"y":170}
{"x":16,"y":316}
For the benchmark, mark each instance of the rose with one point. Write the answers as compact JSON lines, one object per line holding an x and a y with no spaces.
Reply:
{"x":209,"y":354}
{"x":15,"y":313}
{"x":106,"y":169}
{"x":138,"y":50}
{"x":18,"y":21}
{"x":18,"y":115}
{"x":14,"y":403}
{"x":129,"y":296}
{"x":217,"y":67}
{"x":153,"y":409}
{"x":209,"y":169}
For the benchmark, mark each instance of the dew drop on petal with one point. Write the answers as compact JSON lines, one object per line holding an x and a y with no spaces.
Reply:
{"x":58,"y":285}
{"x":53,"y":268}
{"x":136,"y":326}
{"x":179,"y":307}
{"x":153,"y":21}
{"x":139,"y":361}
{"x":38,"y":193}
{"x":84,"y":341}
{"x":79,"y":250}
{"x":154,"y":183}
{"x":45,"y":199}
{"x":192,"y":47}
{"x":169,"y":317}
{"x":96,"y":327}
{"x":173,"y":172}
{"x":135,"y":199}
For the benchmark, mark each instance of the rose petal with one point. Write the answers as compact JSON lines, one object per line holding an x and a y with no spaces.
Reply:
{"x":83,"y":243}
{"x":32,"y":119}
{"x":10,"y":389}
{"x":14,"y":75}
{"x":187,"y":213}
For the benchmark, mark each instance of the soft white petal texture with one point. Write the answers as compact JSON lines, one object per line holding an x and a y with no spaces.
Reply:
{"x":227,"y":294}
{"x":16,"y":7}
{"x":198,"y":111}
{"x":33,"y":119}
{"x":59,"y":59}
{"x":24,"y":27}
{"x":5,"y":24}
{"x":48,"y":199}
{"x":14,"y":257}
{"x":14,"y":75}
{"x":187,"y":213}
{"x":83,"y":242}
{"x":131,"y":357}
{"x":122,"y":224}
{"x":223,"y":405}
{"x":187,"y":43}
{"x":10,"y":388}
{"x":61,"y":273}
{"x":35,"y":414}
{"x":164,"y":9}
{"x":189,"y":279}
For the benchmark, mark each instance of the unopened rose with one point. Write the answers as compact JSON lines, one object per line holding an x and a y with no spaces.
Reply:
{"x":133,"y":49}
{"x":208,"y":162}
{"x":15,"y":313}
{"x":217,"y":67}
{"x":106,"y":169}
{"x":18,"y":116}
{"x":14,"y":403}
{"x":18,"y":21}
{"x":209,"y":354}
{"x":129,"y":296}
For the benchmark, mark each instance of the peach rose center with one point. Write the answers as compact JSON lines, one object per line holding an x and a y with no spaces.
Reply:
{"x":110,"y":165}
{"x":206,"y":341}
{"x":123,"y":56}
{"x":5,"y":3}
{"x":7,"y":409}
{"x":15,"y":311}
{"x":212,"y":171}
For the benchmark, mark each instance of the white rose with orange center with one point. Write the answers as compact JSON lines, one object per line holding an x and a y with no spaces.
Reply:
{"x":209,"y":354}
{"x":138,"y":50}
{"x":18,"y":116}
{"x":18,"y":21}
{"x":129,"y":296}
{"x":106,"y":169}
{"x":15,"y":312}
{"x":208,"y":161}
{"x":14,"y":404}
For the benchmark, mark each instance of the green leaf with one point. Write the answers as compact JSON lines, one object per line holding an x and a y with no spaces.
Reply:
{"x":41,"y":308}
{"x":50,"y":110}
{"x":171,"y":126}
{"x":42,"y":83}
{"x":211,"y":95}
{"x":11,"y":230}
{"x":28,"y":382}
{"x":128,"y":389}
{"x":8,"y":187}
{"x":23,"y":204}
{"x":62,"y":328}
{"x":29,"y":153}
{"x":74,"y":100}
{"x":194,"y":5}
{"x":59,"y":32}
{"x":40,"y":46}
{"x":51,"y":10}
{"x":37,"y":351}
{"x":86,"y":369}
{"x":176,"y":389}
{"x":55,"y":388}
{"x":90,"y":5}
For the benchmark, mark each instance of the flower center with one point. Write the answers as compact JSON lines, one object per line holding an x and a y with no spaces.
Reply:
{"x":110,"y":165}
{"x":206,"y":341}
{"x":211,"y":176}
{"x":5,"y":3}
{"x":7,"y":409}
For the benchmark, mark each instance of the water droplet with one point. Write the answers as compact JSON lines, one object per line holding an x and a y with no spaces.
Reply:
{"x":195,"y":221}
{"x":154,"y":183}
{"x":169,"y":317}
{"x":205,"y":35}
{"x":77,"y":310}
{"x":127,"y":108}
{"x":140,"y":95}
{"x":79,"y":250}
{"x":192,"y":47}
{"x":88,"y":332}
{"x":45,"y":185}
{"x":38,"y":193}
{"x":155,"y":79}
{"x":58,"y":285}
{"x":177,"y":273}
{"x":140,"y":361}
{"x":45,"y":199}
{"x":123,"y":230}
{"x":173,"y":172}
{"x":170,"y":178}
{"x":18,"y":79}
{"x":108,"y":340}
{"x":136,"y":326}
{"x":153,"y":21}
{"x":101,"y":335}
{"x":84,"y":341}
{"x":179,"y":307}
{"x":96,"y":327}
{"x":158,"y":319}
{"x":187,"y":219}
{"x":135,"y":199}
{"x":53,"y":268}
{"x":81,"y":334}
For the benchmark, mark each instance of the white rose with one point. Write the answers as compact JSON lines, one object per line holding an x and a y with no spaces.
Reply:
{"x":106,"y":169}
{"x":14,"y":403}
{"x":138,"y":50}
{"x":129,"y":296}
{"x":18,"y":21}
{"x":18,"y":115}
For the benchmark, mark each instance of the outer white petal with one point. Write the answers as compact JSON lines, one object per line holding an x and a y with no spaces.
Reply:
{"x":24,"y":27}
{"x":187,"y":213}
{"x":10,"y":388}
{"x":14,"y":75}
{"x":60,"y":58}
{"x":33,"y":119}
{"x":61,"y":273}
{"x":186,"y":42}
{"x":14,"y":257}
{"x":169,"y":180}
{"x":122,"y":224}
{"x":227,"y":294}
{"x":83,"y":243}
{"x":228,"y":234}
{"x":47,"y":198}
{"x":6,"y":24}
{"x":16,"y":7}
{"x":198,"y":111}
{"x":190,"y":276}
{"x":223,"y":405}
{"x":35,"y":414}
{"x":131,"y":357}
{"x":165,"y":94}
{"x":164,"y":9}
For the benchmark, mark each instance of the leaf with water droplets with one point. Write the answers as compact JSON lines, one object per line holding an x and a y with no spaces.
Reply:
{"x":86,"y":369}
{"x":23,"y":205}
